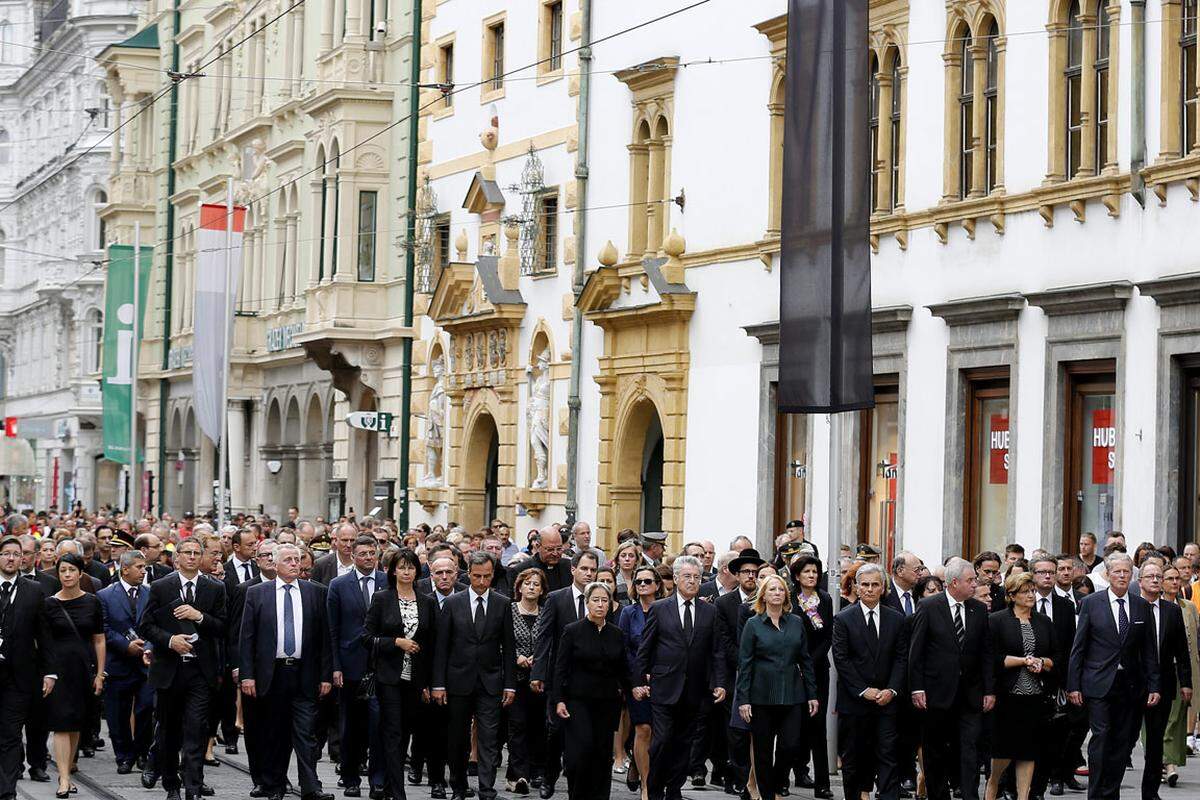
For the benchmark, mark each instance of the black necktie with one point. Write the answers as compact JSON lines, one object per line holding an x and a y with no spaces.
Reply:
{"x":480,"y":616}
{"x":133,"y":600}
{"x":189,"y":596}
{"x":579,"y":611}
{"x":959,"y":631}
{"x":366,"y":590}
{"x":1044,"y":602}
{"x":246,"y":571}
{"x":1122,"y":617}
{"x":872,"y":633}
{"x":688,"y":625}
{"x":6,"y":589}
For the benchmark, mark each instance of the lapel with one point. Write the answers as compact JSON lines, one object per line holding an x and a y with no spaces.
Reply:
{"x":1111,"y":623}
{"x":943,"y":610}
{"x":273,"y":628}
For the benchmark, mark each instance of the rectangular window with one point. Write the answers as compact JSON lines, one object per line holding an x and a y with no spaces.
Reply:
{"x":1188,"y":78}
{"x":874,"y":122}
{"x":367,"y":213}
{"x":966,"y":122}
{"x":446,"y":59}
{"x":547,"y":260}
{"x":791,"y":467}
{"x":554,"y":18}
{"x":895,"y":154}
{"x":879,"y":468}
{"x":495,"y":54}
{"x":1103,"y":51}
{"x":985,"y":517}
{"x":991,"y":97}
{"x":1189,"y":473}
{"x":1074,"y":86}
{"x":1089,"y":450}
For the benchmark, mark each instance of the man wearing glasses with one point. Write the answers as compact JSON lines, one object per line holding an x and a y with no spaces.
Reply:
{"x":730,"y":619}
{"x":1055,"y":768}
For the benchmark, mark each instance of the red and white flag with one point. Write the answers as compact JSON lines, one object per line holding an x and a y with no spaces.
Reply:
{"x":216,"y":294}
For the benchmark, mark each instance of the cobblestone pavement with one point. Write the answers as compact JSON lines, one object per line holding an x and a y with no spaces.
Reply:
{"x":97,"y":779}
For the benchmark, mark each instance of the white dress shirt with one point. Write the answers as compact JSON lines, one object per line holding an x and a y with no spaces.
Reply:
{"x":577,"y":593}
{"x":297,"y":617}
{"x":680,"y":601}
{"x":370,"y":576}
{"x":1157,"y":625}
{"x":1067,"y":595}
{"x":342,"y":569}
{"x":1115,"y":608}
{"x":961,"y":607}
{"x":239,"y":568}
{"x":1047,"y":602}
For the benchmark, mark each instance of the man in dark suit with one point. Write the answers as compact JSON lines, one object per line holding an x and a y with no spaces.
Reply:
{"x":1113,"y":667}
{"x":340,"y":560}
{"x":184,"y":621}
{"x":730,"y":621}
{"x":36,"y":753}
{"x":431,"y":749}
{"x":239,"y":568}
{"x":870,"y":651}
{"x":563,"y":606}
{"x":1174,"y":663}
{"x":152,"y":547}
{"x":681,"y":668}
{"x":1076,"y":720}
{"x":349,"y":597}
{"x":951,"y":678}
{"x":284,"y":662}
{"x":127,"y":693}
{"x":98,"y":572}
{"x":474,"y":671}
{"x":26,"y":666}
{"x":252,"y":722}
{"x":904,"y":573}
{"x":1053,"y":767}
{"x":549,"y":559}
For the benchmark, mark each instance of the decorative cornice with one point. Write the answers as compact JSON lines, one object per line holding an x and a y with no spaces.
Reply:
{"x":978,"y":310}
{"x":891,"y":319}
{"x":649,"y":77}
{"x":1173,"y":290}
{"x":1085,"y":299}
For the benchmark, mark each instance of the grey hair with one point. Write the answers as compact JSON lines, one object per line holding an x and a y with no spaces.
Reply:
{"x":956,"y":568}
{"x":287,"y":546}
{"x":203,"y":527}
{"x":353,"y":528}
{"x":724,"y":559}
{"x":575,"y":527}
{"x":685,"y":561}
{"x":867,"y":568}
{"x":733,"y":542}
{"x":1114,"y":557}
{"x":597,"y":586}
{"x":479,"y":558}
{"x":901,"y":560}
{"x":130,"y":556}
{"x":68,"y":544}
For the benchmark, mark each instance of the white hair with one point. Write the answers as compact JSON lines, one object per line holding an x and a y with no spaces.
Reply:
{"x":1115,"y":557}
{"x":685,"y":561}
{"x":867,"y":568}
{"x":956,"y":568}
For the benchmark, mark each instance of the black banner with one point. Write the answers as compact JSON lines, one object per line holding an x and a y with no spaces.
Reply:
{"x":825,"y":277}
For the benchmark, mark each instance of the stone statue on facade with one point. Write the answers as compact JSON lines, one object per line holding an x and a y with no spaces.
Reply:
{"x":539,"y":420}
{"x":254,"y":183}
{"x":435,"y":427}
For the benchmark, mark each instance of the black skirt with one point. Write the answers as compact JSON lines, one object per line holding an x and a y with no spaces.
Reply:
{"x":1020,"y":725}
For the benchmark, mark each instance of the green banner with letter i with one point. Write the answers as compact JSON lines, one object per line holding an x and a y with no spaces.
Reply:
{"x":118,"y":368}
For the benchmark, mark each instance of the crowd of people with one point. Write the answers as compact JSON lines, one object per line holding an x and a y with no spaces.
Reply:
{"x":422,"y":656}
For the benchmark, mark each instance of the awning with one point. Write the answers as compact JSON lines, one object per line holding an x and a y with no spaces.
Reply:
{"x":16,"y":457}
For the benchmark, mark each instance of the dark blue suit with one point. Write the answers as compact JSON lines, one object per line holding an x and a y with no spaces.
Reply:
{"x":127,"y":691}
{"x":359,"y":717}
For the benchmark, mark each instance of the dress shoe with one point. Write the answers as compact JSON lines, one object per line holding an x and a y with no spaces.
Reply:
{"x":823,"y":794}
{"x":1074,"y":785}
{"x":547,"y":791}
{"x":317,"y":796}
{"x":140,"y":763}
{"x":190,"y":796}
{"x":456,"y":796}
{"x":276,"y":796}
{"x":698,"y":780}
{"x":38,"y":775}
{"x":536,"y":782}
{"x":173,"y":794}
{"x":352,"y":791}
{"x":231,"y":749}
{"x":149,"y":778}
{"x":257,"y":791}
{"x":804,"y":782}
{"x":206,"y":790}
{"x":98,"y":743}
{"x":414,"y":776}
{"x":212,"y":762}
{"x":469,"y":793}
{"x":908,"y":785}
{"x":633,"y":784}
{"x":783,"y":790}
{"x":522,"y":787}
{"x":438,"y":791}
{"x":124,"y":767}
{"x":1056,"y":789}
{"x":727,"y":785}
{"x":87,"y":752}
{"x":1173,"y":779}
{"x":377,"y":793}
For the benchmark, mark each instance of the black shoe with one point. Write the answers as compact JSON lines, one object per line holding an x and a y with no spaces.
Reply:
{"x":904,"y":794}
{"x":1074,"y":785}
{"x":456,"y":796}
{"x":124,"y":767}
{"x":38,"y":775}
{"x":317,"y":796}
{"x":231,"y":749}
{"x":438,"y":791}
{"x":1056,"y":789}
{"x":257,"y":791}
{"x":88,"y":752}
{"x":206,"y":790}
{"x":783,"y":790}
{"x":149,"y":778}
{"x":634,"y":785}
{"x":173,"y":794}
{"x":140,"y":763}
{"x":522,"y":787}
{"x":276,"y":796}
{"x":956,"y":794}
{"x":98,"y":743}
{"x":1173,"y":779}
{"x":823,"y":794}
{"x":414,"y":776}
{"x":805,"y":782}
{"x":472,"y":769}
{"x":536,"y":781}
{"x":470,"y":792}
{"x":908,"y":785}
{"x":352,"y":791}
{"x":190,"y":796}
{"x":212,"y":762}
{"x":546,"y":791}
{"x":698,"y":780}
{"x":65,"y":795}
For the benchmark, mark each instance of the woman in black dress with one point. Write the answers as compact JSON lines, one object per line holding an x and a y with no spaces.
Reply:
{"x":589,"y":677}
{"x":398,"y":633}
{"x":527,"y":714}
{"x":814,"y":606}
{"x":1023,"y":643}
{"x":77,"y":628}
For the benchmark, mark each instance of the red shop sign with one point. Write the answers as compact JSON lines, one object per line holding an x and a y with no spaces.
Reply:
{"x":1104,"y":446}
{"x":998,"y":449}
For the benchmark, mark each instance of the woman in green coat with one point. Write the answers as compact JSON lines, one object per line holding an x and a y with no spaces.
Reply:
{"x":1175,"y":738}
{"x":775,"y":682}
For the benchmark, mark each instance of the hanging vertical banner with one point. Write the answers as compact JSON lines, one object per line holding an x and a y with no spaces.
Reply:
{"x":998,"y":449}
{"x":825,"y":273}
{"x":214,"y":309}
{"x":117,"y":354}
{"x":1104,"y":444}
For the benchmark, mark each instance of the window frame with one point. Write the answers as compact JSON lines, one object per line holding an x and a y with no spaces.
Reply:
{"x":546,"y":262}
{"x":1188,"y":49}
{"x":966,"y":118}
{"x":1073,"y":94}
{"x":446,"y":72}
{"x":887,"y":390}
{"x":873,"y":115}
{"x":896,"y":121}
{"x":1101,"y":68}
{"x":495,"y":60}
{"x":982,"y":385}
{"x":551,"y":19}
{"x":366,"y":252}
{"x":991,"y":101}
{"x":1081,"y":379}
{"x":1189,"y":451}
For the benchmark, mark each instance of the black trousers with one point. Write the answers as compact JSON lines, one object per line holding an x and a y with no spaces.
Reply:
{"x":227,"y":709}
{"x":738,"y":747}
{"x":361,"y":744}
{"x":815,"y":738}
{"x":867,"y":745}
{"x":125,"y":699}
{"x":588,"y":739}
{"x":36,"y":733}
{"x":527,"y":733}
{"x":671,"y":729}
{"x":951,"y":738}
{"x":289,"y":721}
{"x":1049,"y":765}
{"x":1114,"y":720}
{"x":908,"y":737}
{"x":252,"y":732}
{"x":399,"y":709}
{"x":182,"y":733}
{"x":700,"y":744}
{"x":552,"y":760}
{"x":429,"y":740}
{"x":772,"y":726}
{"x":14,"y":709}
{"x":485,"y":708}
{"x":1156,"y":726}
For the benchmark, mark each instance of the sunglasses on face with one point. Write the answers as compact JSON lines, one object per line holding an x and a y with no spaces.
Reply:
{"x":644,"y":582}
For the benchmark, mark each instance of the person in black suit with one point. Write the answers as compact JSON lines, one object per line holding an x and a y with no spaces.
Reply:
{"x":1053,"y":767}
{"x":549,"y":559}
{"x":341,"y":560}
{"x":681,"y":668}
{"x":398,"y":633}
{"x":1174,"y":669}
{"x":152,"y":547}
{"x":458,"y":581}
{"x":1023,"y":645}
{"x":1076,"y":718}
{"x":870,"y":650}
{"x":814,"y":606}
{"x":729,"y":628}
{"x":183,"y":621}
{"x":902,"y":595}
{"x":589,"y":676}
{"x":252,"y":723}
{"x":951,"y":678}
{"x":287,"y":672}
{"x":26,"y":665}
{"x":562,"y":607}
{"x":429,"y":748}
{"x":239,"y":568}
{"x":127,"y":695}
{"x":474,"y":666}
{"x":1115,"y":669}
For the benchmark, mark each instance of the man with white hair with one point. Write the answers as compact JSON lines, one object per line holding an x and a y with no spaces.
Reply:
{"x":951,"y":677}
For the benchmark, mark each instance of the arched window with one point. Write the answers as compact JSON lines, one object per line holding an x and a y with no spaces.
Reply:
{"x":966,"y":119}
{"x":1189,"y":78}
{"x":991,"y":99}
{"x":1103,"y":53}
{"x":875,"y":154}
{"x":93,"y":341}
{"x":1073,"y":80}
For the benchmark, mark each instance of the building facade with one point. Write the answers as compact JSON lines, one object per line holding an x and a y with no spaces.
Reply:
{"x":1034,"y":275}
{"x":303,"y":107}
{"x":55,"y":114}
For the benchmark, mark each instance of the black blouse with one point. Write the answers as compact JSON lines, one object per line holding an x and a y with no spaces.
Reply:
{"x":590,"y":664}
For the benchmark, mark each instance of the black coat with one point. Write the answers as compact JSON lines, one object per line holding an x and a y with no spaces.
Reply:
{"x":729,"y":630}
{"x":1173,"y":657}
{"x":559,"y":611}
{"x":1064,"y":633}
{"x":590,"y":664}
{"x":159,"y":625}
{"x":820,"y":640}
{"x":1005,"y":631}
{"x":1098,"y":649}
{"x":861,"y":666}
{"x":156,"y":572}
{"x":384,"y":625}
{"x":680,"y":671}
{"x":425,"y":585}
{"x":233,"y":576}
{"x":938,"y":667}
{"x":101,"y":576}
{"x":325,"y":568}
{"x":260,"y":626}
{"x":28,"y":648}
{"x":557,"y":576}
{"x":236,"y":606}
{"x":463,"y":659}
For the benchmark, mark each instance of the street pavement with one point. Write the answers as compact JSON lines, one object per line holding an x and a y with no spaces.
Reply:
{"x":97,"y":779}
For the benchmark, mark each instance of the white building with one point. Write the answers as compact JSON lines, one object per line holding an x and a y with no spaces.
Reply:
{"x":1036,"y":285}
{"x":53,"y":110}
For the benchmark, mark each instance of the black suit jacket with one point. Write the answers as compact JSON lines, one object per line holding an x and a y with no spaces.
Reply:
{"x":679,"y":670}
{"x":861,"y":666}
{"x":236,"y":607}
{"x":256,"y":655}
{"x":465,"y":662}
{"x":101,"y":576}
{"x":234,"y":576}
{"x":159,"y":625}
{"x":938,"y":667}
{"x":27,"y":648}
{"x":156,"y":571}
{"x":557,"y":576}
{"x":820,"y":640}
{"x":1098,"y":648}
{"x":559,"y":611}
{"x":425,"y":585}
{"x":50,"y":583}
{"x":1064,"y":633}
{"x":383,"y":626}
{"x":894,"y":600}
{"x":325,"y":568}
{"x":1005,"y":630}
{"x":1173,"y":656}
{"x":729,"y":630}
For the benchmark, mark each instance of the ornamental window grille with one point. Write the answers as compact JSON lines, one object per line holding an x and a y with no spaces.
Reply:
{"x":429,"y":266}
{"x":531,"y":222}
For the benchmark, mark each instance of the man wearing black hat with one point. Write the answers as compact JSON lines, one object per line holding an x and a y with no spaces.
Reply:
{"x":730,"y":620}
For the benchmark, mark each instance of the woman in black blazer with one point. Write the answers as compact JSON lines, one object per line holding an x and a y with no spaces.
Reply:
{"x":1023,"y":643}
{"x":590,"y":675}
{"x":398,"y":633}
{"x":814,"y":606}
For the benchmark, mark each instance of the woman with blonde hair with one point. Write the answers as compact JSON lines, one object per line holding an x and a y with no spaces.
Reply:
{"x":625,"y":562}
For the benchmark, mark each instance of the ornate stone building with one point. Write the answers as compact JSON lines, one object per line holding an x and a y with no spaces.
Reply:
{"x":55,"y":113}
{"x":303,"y":106}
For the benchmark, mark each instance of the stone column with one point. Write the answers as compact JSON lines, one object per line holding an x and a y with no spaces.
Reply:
{"x":883,"y":186}
{"x":1087,"y":99}
{"x":290,"y":283}
{"x":236,"y":449}
{"x":978,"y":183}
{"x":654,"y":208}
{"x":327,"y":27}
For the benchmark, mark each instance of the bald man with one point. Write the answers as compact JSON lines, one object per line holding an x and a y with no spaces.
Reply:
{"x":549,"y":559}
